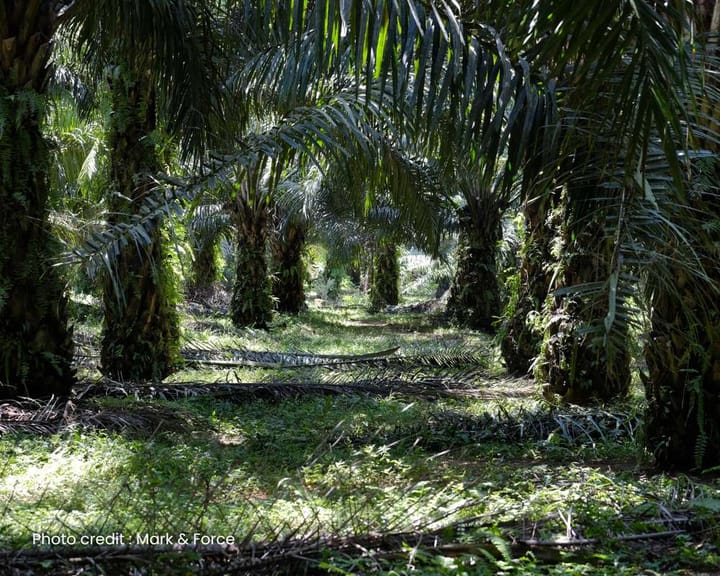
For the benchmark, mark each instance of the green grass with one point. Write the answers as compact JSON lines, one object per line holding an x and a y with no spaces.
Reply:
{"x":334,"y":330}
{"x":358,"y":464}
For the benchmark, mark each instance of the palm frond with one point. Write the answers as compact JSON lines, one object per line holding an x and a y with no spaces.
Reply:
{"x":172,"y":40}
{"x":101,"y":242}
{"x":203,"y":352}
{"x":208,"y":219}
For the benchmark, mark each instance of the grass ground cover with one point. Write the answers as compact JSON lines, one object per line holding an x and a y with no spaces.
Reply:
{"x":426,"y":460}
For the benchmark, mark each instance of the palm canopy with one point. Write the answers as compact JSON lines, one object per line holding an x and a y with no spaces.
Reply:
{"x":486,"y":72}
{"x":495,"y":76}
{"x":175,"y":45}
{"x":414,"y":62}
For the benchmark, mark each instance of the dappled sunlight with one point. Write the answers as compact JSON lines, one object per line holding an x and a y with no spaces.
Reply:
{"x":321,"y":429}
{"x":35,"y":472}
{"x":51,"y":481}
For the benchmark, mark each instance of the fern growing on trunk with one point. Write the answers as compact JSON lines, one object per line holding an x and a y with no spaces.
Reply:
{"x":141,"y":328}
{"x":251,"y":303}
{"x":475,"y":293}
{"x":35,"y":340}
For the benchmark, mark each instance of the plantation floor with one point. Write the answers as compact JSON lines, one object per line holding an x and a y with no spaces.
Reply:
{"x":344,"y":443}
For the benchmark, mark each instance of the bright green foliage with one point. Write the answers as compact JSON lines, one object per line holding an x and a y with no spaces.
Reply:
{"x":522,"y":330}
{"x":141,"y":329}
{"x":480,"y":472}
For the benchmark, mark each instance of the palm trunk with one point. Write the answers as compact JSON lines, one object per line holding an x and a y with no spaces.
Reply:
{"x":289,"y":277}
{"x":35,"y":340}
{"x":475,"y":293}
{"x":251,"y":303}
{"x":204,"y":265}
{"x":522,"y":333}
{"x":333,"y":274}
{"x":682,"y":385}
{"x":682,"y":352}
{"x":384,"y":290}
{"x":573,"y":363}
{"x":141,"y":328}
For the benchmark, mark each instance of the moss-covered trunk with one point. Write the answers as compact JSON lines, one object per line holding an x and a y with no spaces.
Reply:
{"x":475,"y":294}
{"x":289,"y":268}
{"x":35,"y":340}
{"x":682,"y":384}
{"x":385,"y":286}
{"x":575,"y":361}
{"x":682,"y":352}
{"x":522,"y":331}
{"x":205,"y":263}
{"x":141,"y":334}
{"x":251,"y":303}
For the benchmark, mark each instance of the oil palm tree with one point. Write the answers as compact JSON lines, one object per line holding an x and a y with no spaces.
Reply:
{"x":639,"y":99}
{"x":613,"y":77}
{"x":287,"y":247}
{"x":475,"y":291}
{"x":206,"y":223}
{"x":682,"y":350}
{"x":157,"y":61}
{"x":411,"y":61}
{"x":36,"y":344}
{"x":299,"y":55}
{"x":251,"y":303}
{"x":288,"y":288}
{"x":680,"y":290}
{"x":35,"y":338}
{"x":604,"y":90}
{"x":280,"y":94}
{"x":385,"y":282}
{"x":521,"y":331}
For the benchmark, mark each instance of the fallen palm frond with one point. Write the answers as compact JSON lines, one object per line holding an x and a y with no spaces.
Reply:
{"x":56,"y":415}
{"x":433,"y":306}
{"x":443,"y":429}
{"x":198,"y":354}
{"x":309,"y":554}
{"x":285,"y":556}
{"x":272,"y":390}
{"x":30,"y":415}
{"x":207,"y":301}
{"x":472,"y":379}
{"x":143,"y":419}
{"x":571,"y":425}
{"x":211,"y":354}
{"x":254,"y":359}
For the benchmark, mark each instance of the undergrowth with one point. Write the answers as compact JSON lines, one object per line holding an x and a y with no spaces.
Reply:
{"x":475,"y":475}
